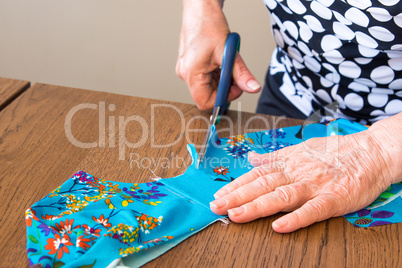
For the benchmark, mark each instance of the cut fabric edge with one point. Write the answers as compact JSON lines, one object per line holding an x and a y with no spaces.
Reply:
{"x":150,"y":254}
{"x":210,"y":218}
{"x":384,"y":210}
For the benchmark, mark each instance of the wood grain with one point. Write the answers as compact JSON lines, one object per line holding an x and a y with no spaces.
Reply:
{"x":10,"y":89}
{"x":36,"y":157}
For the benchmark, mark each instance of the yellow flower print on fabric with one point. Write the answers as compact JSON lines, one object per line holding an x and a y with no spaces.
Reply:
{"x":123,"y":232}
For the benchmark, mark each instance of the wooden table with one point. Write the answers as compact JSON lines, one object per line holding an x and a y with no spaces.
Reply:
{"x":10,"y":89}
{"x":36,"y":157}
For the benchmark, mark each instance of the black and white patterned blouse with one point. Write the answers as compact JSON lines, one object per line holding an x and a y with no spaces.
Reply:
{"x":344,"y":51}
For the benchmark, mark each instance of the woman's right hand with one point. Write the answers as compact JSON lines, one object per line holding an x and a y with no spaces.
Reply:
{"x":202,"y":40}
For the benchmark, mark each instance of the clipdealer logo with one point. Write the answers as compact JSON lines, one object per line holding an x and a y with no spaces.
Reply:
{"x":147,"y":130}
{"x":117,"y":137}
{"x":122,"y":121}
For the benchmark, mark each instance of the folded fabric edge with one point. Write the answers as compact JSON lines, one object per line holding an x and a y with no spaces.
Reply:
{"x":137,"y":260}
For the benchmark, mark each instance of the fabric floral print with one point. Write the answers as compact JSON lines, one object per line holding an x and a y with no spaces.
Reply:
{"x":221,"y":170}
{"x":221,"y":174}
{"x":58,"y":245}
{"x":90,"y":222}
{"x":385,"y":209}
{"x":239,"y":146}
{"x":87,"y":211}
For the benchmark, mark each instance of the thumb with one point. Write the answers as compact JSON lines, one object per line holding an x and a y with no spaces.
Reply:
{"x":243,"y":77}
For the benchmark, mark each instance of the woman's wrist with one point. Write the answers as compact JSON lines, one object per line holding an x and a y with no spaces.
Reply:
{"x":387,"y":136}
{"x":203,"y":18}
{"x":202,"y":10}
{"x":191,"y":3}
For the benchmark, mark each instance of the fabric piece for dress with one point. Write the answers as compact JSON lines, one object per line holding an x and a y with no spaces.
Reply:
{"x":348,"y":52}
{"x":91,"y":222}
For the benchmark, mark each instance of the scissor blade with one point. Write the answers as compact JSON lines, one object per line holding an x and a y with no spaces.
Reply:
{"x":206,"y":139}
{"x":204,"y":147}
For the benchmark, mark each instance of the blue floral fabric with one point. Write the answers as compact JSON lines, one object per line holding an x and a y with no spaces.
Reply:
{"x":90,"y":222}
{"x":385,"y":209}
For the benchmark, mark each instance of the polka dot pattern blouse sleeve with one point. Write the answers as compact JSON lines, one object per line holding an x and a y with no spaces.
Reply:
{"x":344,"y":51}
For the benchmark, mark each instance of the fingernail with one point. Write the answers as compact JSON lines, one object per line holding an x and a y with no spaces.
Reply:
{"x":234,"y":212}
{"x":279,"y":223}
{"x":253,"y":85}
{"x":220,"y":193}
{"x":218,"y":203}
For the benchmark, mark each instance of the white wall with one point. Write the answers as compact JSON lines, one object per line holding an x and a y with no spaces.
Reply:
{"x":121,"y":46}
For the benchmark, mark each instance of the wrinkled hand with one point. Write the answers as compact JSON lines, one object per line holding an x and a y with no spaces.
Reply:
{"x":202,"y":40}
{"x":315,"y":180}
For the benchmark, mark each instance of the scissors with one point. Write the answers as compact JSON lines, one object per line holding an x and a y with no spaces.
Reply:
{"x":232,"y":46}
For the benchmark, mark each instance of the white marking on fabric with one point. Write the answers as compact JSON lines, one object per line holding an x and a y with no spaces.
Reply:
{"x":357,"y":17}
{"x":297,"y":6}
{"x":321,"y":10}
{"x":363,"y":61}
{"x":278,"y":38}
{"x":395,"y":64}
{"x":341,"y":18}
{"x":359,"y":87}
{"x":295,"y":54}
{"x":333,"y":56}
{"x":362,"y":4}
{"x":366,"y":81}
{"x":396,"y":84}
{"x":271,"y":4}
{"x":398,"y":20}
{"x":326,"y":3}
{"x":377,"y":100}
{"x":312,"y":64}
{"x":366,"y":40}
{"x":349,"y":69}
{"x":292,"y":29}
{"x":354,"y":102}
{"x":380,"y":14}
{"x":330,"y":42}
{"x":304,"y":31}
{"x":342,"y":31}
{"x":389,"y":2}
{"x":314,"y":24}
{"x":382,"y":34}
{"x":324,"y":95}
{"x":367,"y":52}
{"x":382,"y":75}
{"x":393,"y":107}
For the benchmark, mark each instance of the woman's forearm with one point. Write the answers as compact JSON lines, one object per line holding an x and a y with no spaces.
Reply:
{"x":202,"y":18}
{"x":202,"y":3}
{"x":387,"y":133}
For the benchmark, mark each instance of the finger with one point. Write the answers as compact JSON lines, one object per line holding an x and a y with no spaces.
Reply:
{"x":234,"y":93}
{"x":249,"y":192}
{"x":284,"y":198}
{"x":245,"y":179}
{"x":201,"y":74}
{"x":202,"y":88}
{"x":243,"y":77}
{"x":204,"y":91}
{"x":315,"y":210}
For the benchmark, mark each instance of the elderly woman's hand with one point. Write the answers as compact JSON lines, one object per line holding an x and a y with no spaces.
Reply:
{"x":317,"y":179}
{"x":202,"y":40}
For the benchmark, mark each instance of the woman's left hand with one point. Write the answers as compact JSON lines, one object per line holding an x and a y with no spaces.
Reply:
{"x":315,"y":180}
